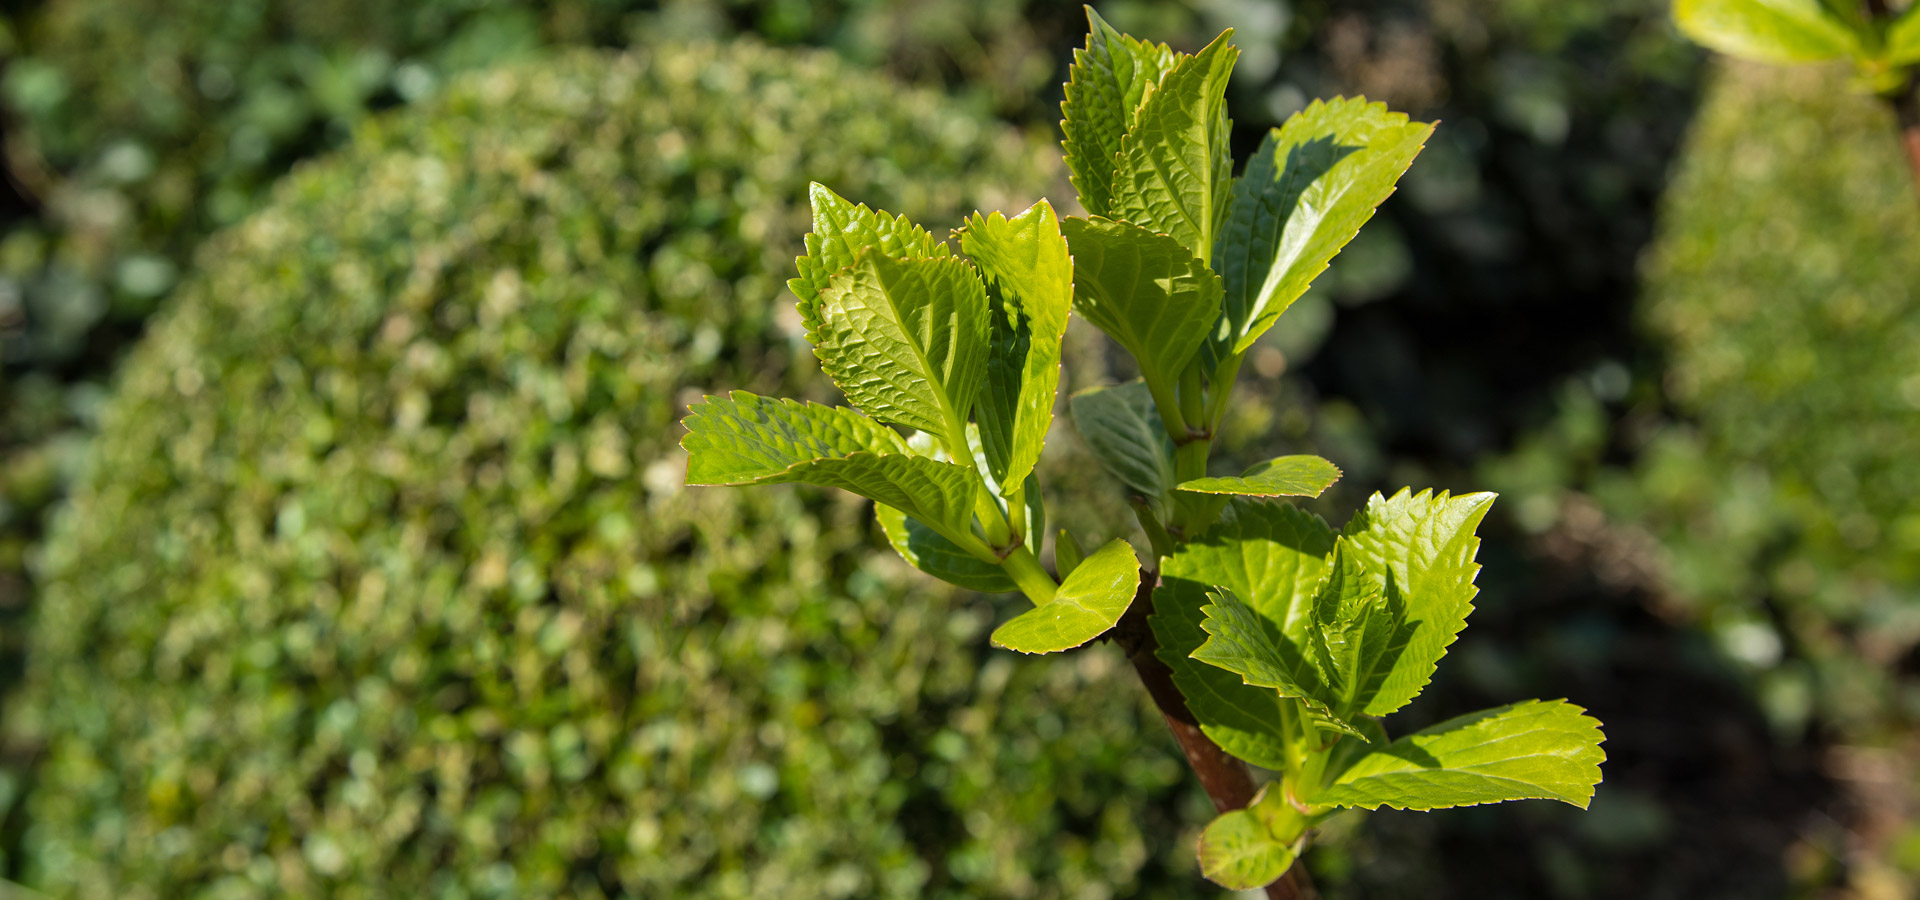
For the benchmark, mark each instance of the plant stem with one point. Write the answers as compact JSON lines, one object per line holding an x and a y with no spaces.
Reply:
{"x":1024,"y":568}
{"x":1226,"y":779}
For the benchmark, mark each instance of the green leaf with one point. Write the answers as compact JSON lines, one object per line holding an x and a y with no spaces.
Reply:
{"x":1089,"y":602}
{"x":1029,"y":278}
{"x":747,"y":439}
{"x":1903,"y":38}
{"x":1175,"y":169}
{"x":841,"y":231}
{"x":1286,"y":476}
{"x":1241,"y":641}
{"x":906,"y":341}
{"x":1545,"y":750}
{"x":1121,"y":426}
{"x":1422,"y":546}
{"x":1305,"y":193}
{"x":1359,"y":631}
{"x":1274,"y":557}
{"x":743,"y":438}
{"x":1104,"y":89}
{"x":930,"y":552}
{"x":1143,"y":289}
{"x":1773,"y":31}
{"x":1240,"y":851}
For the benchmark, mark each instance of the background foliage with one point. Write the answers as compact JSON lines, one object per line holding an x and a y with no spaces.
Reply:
{"x":135,"y":129}
{"x":410,"y":598}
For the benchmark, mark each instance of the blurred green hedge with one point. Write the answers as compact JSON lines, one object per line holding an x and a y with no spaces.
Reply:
{"x":1773,"y":482}
{"x":381,"y":580}
{"x":1786,"y":287}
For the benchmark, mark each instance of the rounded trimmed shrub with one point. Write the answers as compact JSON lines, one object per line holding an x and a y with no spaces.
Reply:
{"x":1787,"y":291}
{"x":381,"y":580}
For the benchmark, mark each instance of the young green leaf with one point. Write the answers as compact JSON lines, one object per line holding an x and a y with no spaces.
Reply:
{"x":1242,"y":642}
{"x":1422,"y":546}
{"x":930,"y":552}
{"x":1286,"y":476}
{"x":1029,"y":278}
{"x":841,"y":231}
{"x":1305,"y":193}
{"x":906,"y":341}
{"x":1245,"y":721}
{"x":1122,"y":427}
{"x":1903,"y":38}
{"x":1143,"y":289}
{"x":1089,"y":602}
{"x":1175,"y":169}
{"x":1272,"y":555}
{"x":747,"y":439}
{"x":1359,"y":630}
{"x":1240,"y":850}
{"x":1545,"y":750}
{"x":1773,"y":31}
{"x":1104,"y":89}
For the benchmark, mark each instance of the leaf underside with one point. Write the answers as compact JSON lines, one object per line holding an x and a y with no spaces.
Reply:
{"x":1545,"y":750}
{"x":930,"y":552}
{"x":1121,"y":426}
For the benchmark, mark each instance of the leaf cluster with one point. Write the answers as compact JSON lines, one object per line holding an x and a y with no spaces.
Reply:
{"x":1287,"y":639}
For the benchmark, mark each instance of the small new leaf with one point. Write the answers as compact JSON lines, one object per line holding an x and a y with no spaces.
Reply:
{"x":841,"y":232}
{"x":1105,"y":86}
{"x":1274,"y":557}
{"x":1772,"y":31}
{"x":1239,"y":850}
{"x":1286,"y":476}
{"x":1089,"y":602}
{"x":1546,"y":750}
{"x":747,"y":439}
{"x":1421,"y":546}
{"x":906,"y":341}
{"x":1122,"y":427}
{"x":1175,"y":168}
{"x":1305,"y":193}
{"x":1359,"y":630}
{"x":1029,"y":278}
{"x":1143,"y":289}
{"x":1244,"y":643}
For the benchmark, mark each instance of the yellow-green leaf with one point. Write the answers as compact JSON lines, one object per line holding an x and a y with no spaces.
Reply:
{"x":1088,"y":602}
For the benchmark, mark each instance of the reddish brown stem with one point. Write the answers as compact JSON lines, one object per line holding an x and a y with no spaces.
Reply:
{"x":1226,"y":779}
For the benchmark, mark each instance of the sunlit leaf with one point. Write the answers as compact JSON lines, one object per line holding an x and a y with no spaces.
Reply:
{"x":1286,"y":476}
{"x":1774,"y":31}
{"x":1543,"y":750}
{"x":1144,"y":290}
{"x":1029,"y":278}
{"x":1175,"y":168}
{"x":1088,"y":602}
{"x":1104,"y":88}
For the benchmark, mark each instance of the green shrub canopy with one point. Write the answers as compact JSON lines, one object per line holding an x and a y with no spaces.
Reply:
{"x":1786,"y":287}
{"x":382,"y":582}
